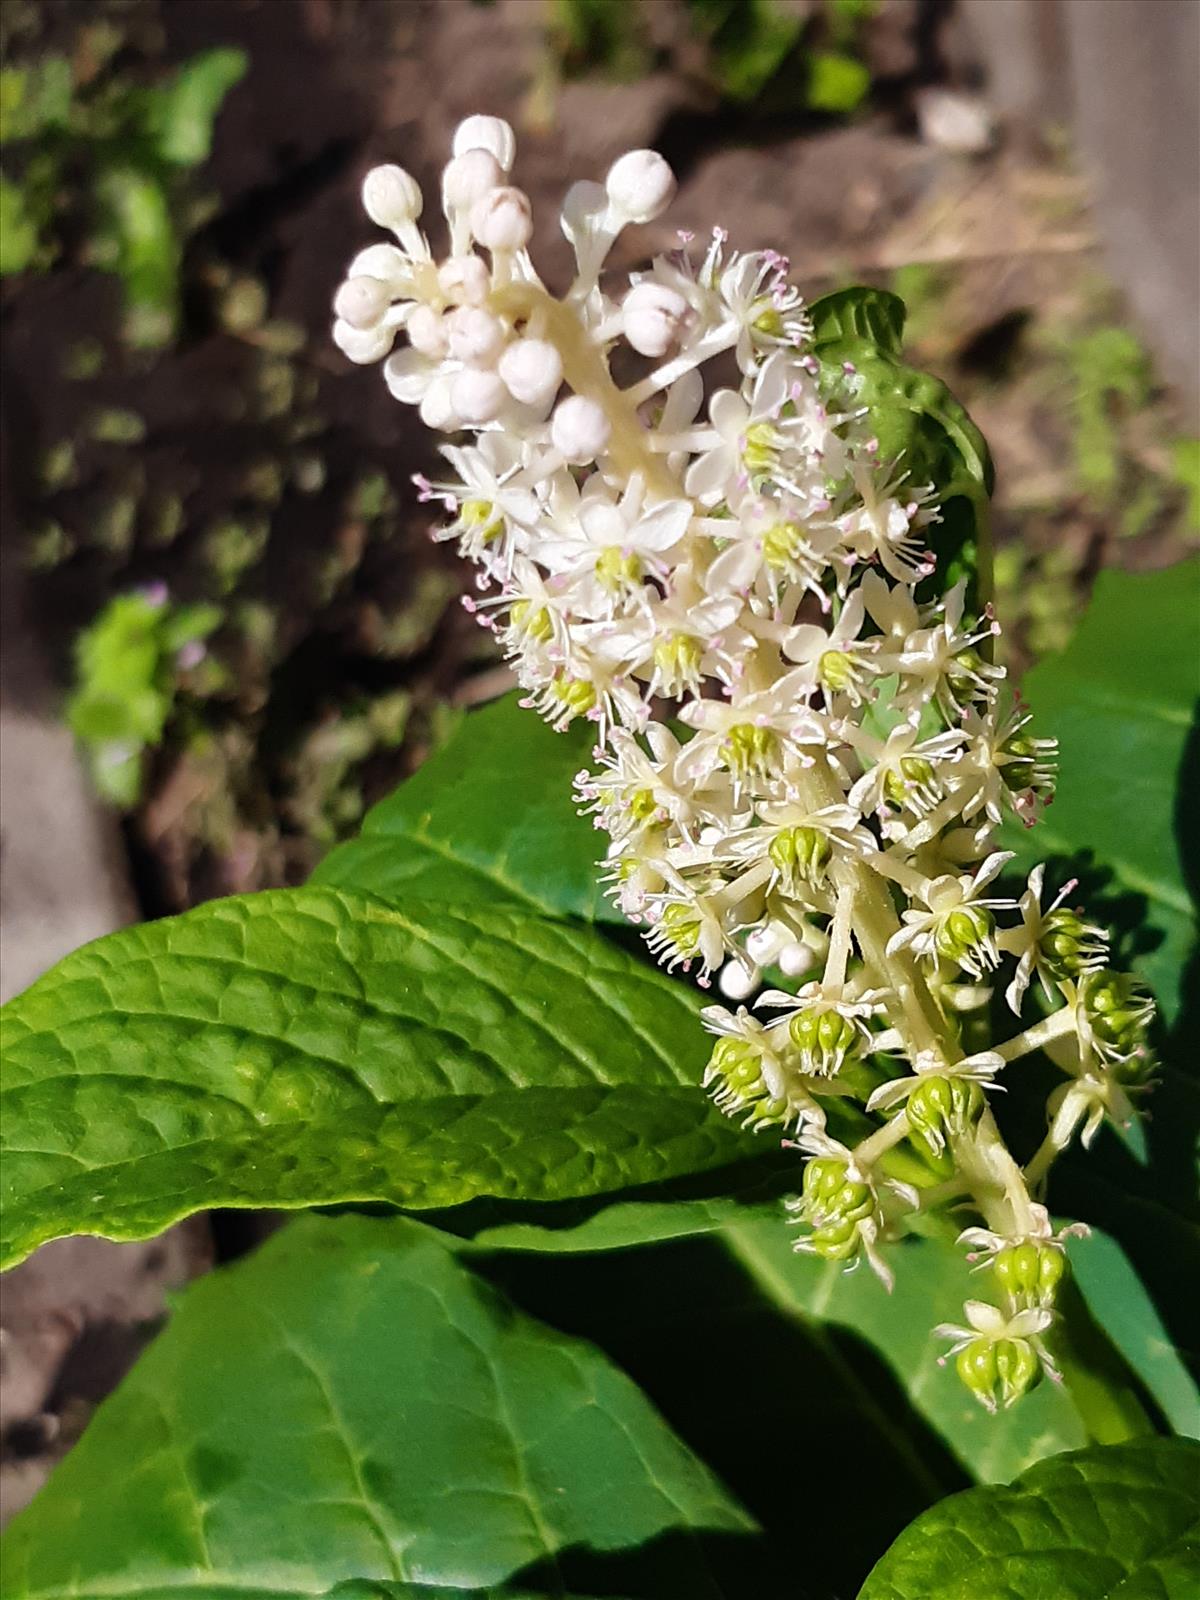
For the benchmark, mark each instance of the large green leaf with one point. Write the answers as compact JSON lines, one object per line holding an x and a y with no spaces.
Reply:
{"x":1119,"y":1521}
{"x":1121,"y":700}
{"x":314,"y":1045}
{"x":352,"y":1406}
{"x":489,"y":818}
{"x":918,"y":423}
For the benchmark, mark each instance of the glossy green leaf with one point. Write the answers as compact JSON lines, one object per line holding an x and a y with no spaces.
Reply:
{"x":1119,"y":1521}
{"x":917,"y":422}
{"x":747,"y":1216}
{"x":352,"y":1406}
{"x":306,"y":1046}
{"x":489,"y":818}
{"x":1121,"y":700}
{"x":1119,"y":1302}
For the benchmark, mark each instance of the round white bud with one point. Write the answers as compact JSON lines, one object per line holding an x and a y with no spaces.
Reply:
{"x":654,"y":317}
{"x":579,"y":429}
{"x":468,"y":177}
{"x":737,"y":981}
{"x":391,"y":197}
{"x":437,"y":408}
{"x":476,"y":336}
{"x":427,"y":332}
{"x":362,"y":345}
{"x":795,"y":959}
{"x":465,"y":279}
{"x":477,"y":396}
{"x":362,"y":301}
{"x":640,"y":185}
{"x":503,"y":219}
{"x":532,"y":370}
{"x":381,"y":261}
{"x":492,"y":134}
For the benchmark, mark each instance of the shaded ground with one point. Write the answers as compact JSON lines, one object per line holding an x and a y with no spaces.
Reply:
{"x":248,"y":465}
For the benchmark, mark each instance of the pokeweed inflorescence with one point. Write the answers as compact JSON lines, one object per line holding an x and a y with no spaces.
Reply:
{"x":800,"y":765}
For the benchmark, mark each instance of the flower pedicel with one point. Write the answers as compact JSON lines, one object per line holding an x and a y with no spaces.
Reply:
{"x":800,"y":765}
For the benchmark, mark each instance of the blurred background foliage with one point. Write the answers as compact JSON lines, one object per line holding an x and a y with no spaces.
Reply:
{"x":211,"y":513}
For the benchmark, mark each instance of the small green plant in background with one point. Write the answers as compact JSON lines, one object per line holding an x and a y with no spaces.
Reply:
{"x":126,"y":145}
{"x":758,"y":55}
{"x":129,"y":665}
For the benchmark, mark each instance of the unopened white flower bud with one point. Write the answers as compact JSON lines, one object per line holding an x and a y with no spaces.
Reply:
{"x":532,"y":370}
{"x":361,"y":301}
{"x":382,"y":261}
{"x":737,"y":981}
{"x":492,"y":134}
{"x":795,"y":958}
{"x":502,"y":219}
{"x":654,"y":318}
{"x":476,"y":336}
{"x":477,"y":396}
{"x":391,"y":197}
{"x":579,"y":429}
{"x":640,"y":185}
{"x":437,"y":408}
{"x":426,"y":331}
{"x":362,"y":345}
{"x":468,"y":178}
{"x":465,"y":279}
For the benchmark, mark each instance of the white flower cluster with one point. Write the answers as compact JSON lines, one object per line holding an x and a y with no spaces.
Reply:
{"x":803,"y":749}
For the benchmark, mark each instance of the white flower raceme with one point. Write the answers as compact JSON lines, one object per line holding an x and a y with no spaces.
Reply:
{"x":802,"y":749}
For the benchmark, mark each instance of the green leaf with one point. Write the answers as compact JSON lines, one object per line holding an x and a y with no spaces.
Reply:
{"x":184,"y":112}
{"x":1117,"y":1299}
{"x":836,"y":82}
{"x":353,"y":1406}
{"x":875,"y":315}
{"x":307,"y":1046}
{"x":137,"y":215}
{"x":18,"y":230}
{"x":34,"y":98}
{"x":918,"y":423}
{"x":1119,"y":1520}
{"x":489,"y":816}
{"x":1121,"y":701}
